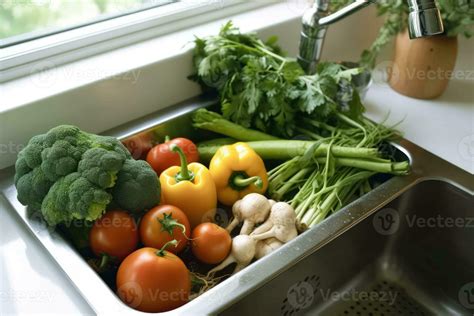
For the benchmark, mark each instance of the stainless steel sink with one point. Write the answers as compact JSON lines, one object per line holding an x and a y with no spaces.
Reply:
{"x":371,"y":247}
{"x":412,"y":257}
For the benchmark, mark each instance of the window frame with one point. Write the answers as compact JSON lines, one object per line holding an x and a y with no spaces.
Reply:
{"x":91,"y":39}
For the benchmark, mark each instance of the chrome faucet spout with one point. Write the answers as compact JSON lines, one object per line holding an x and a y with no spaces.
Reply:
{"x":424,"y":20}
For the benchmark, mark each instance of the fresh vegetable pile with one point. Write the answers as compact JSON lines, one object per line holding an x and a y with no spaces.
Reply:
{"x":174,"y":249}
{"x":261,"y":89}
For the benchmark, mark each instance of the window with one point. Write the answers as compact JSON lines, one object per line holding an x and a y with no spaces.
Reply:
{"x":23,"y":20}
{"x":61,"y":31}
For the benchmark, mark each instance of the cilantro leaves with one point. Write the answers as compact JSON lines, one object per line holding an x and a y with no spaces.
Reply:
{"x":260,"y":88}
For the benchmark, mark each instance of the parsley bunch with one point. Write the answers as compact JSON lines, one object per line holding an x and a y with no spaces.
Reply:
{"x":260,"y":88}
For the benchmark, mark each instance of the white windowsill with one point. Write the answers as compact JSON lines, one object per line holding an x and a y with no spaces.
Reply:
{"x":103,"y":91}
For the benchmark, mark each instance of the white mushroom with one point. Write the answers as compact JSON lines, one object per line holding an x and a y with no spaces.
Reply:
{"x":242,"y":252}
{"x":281,"y":224}
{"x":264,"y":247}
{"x":272,"y":202}
{"x":237,"y":216}
{"x":252,"y":209}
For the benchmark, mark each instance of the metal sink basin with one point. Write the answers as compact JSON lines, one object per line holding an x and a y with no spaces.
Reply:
{"x":374,"y":245}
{"x":412,"y":257}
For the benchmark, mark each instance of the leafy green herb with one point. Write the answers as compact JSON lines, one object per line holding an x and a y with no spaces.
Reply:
{"x":261,"y":88}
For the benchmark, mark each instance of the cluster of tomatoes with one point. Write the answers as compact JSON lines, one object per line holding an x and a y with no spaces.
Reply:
{"x":151,"y":275}
{"x":153,"y":278}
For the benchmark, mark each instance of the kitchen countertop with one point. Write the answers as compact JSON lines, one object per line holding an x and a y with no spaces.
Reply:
{"x":32,"y":282}
{"x":444,"y":127}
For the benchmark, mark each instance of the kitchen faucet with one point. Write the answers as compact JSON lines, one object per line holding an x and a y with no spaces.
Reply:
{"x":424,"y":20}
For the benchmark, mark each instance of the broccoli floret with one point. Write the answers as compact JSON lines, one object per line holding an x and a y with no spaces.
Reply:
{"x":74,"y":197}
{"x":109,"y":143}
{"x":32,"y":152}
{"x":32,"y":187}
{"x":60,"y":159}
{"x":137,"y":187}
{"x":21,"y":166}
{"x":100,"y":166}
{"x":68,"y":174}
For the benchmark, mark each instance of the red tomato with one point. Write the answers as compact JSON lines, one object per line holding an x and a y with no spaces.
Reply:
{"x":162,"y":224}
{"x":210,"y":243}
{"x":161,"y":157}
{"x":154,"y":281}
{"x":114,"y":234}
{"x":139,"y":145}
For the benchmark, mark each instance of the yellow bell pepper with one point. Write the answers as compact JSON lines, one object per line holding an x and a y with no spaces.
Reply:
{"x":237,"y":170}
{"x":190,"y":188}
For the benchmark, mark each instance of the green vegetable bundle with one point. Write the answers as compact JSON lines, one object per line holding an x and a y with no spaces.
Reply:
{"x":320,"y":175}
{"x":260,"y":88}
{"x":70,"y":174}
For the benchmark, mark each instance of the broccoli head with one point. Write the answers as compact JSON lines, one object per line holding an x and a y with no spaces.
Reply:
{"x":70,"y":174}
{"x":137,"y":187}
{"x":43,"y":161}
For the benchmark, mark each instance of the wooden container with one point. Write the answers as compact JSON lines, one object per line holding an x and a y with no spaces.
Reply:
{"x":423,"y":67}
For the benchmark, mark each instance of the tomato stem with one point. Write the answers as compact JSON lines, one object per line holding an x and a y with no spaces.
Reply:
{"x":168,"y":223}
{"x":161,"y":252}
{"x":104,"y":260}
{"x":185,"y":174}
{"x":167,"y":138}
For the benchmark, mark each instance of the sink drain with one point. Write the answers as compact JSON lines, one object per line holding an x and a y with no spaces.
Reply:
{"x":300,"y":295}
{"x":402,"y":304}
